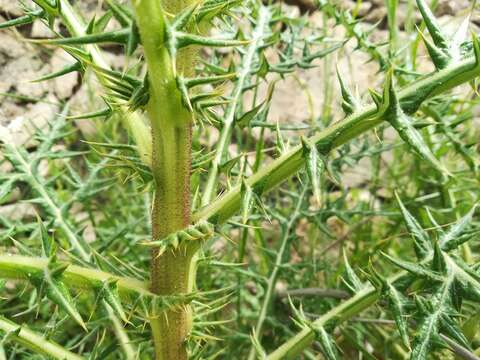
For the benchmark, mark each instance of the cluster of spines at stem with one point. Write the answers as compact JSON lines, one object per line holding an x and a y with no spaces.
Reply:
{"x":192,"y":236}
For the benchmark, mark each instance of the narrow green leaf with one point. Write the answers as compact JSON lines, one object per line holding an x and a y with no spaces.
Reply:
{"x":106,"y":112}
{"x":77,"y":66}
{"x":7,"y":185}
{"x":133,"y":39}
{"x":118,"y":36}
{"x":208,"y":80}
{"x":257,"y":346}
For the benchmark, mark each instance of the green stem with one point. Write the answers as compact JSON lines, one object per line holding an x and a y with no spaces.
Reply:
{"x":35,"y":342}
{"x":24,"y":267}
{"x":171,"y":159}
{"x":338,"y":134}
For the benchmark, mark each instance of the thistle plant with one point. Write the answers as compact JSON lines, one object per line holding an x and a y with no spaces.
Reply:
{"x":212,"y":220}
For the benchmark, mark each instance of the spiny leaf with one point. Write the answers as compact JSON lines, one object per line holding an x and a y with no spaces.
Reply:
{"x":414,"y":268}
{"x":467,"y":279}
{"x":23,"y":20}
{"x":247,"y":201}
{"x":182,"y":19}
{"x":52,"y":9}
{"x":459,"y":38}
{"x":351,"y":279}
{"x":118,"y":36}
{"x":58,"y":292}
{"x":377,"y":99}
{"x":433,"y":27}
{"x":247,"y":117}
{"x":101,"y":24}
{"x":210,"y":9}
{"x":48,"y":246}
{"x":257,"y":346}
{"x":7,"y":185}
{"x":441,"y":59}
{"x":328,"y":345}
{"x":450,"y":328}
{"x":189,"y":83}
{"x":451,"y":239}
{"x":395,"y":300}
{"x":404,"y":126}
{"x":421,"y":239}
{"x":140,"y":96}
{"x":121,"y":13}
{"x":109,"y":293}
{"x":192,"y":235}
{"x":184,"y":39}
{"x":438,"y":263}
{"x":396,"y":303}
{"x":52,"y":6}
{"x":315,"y":168}
{"x":423,"y":342}
{"x":106,"y":112}
{"x":349,"y":103}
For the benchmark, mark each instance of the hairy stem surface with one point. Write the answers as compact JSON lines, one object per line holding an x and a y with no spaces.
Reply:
{"x":171,"y":159}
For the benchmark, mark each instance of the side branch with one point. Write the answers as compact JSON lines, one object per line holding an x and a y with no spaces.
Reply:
{"x":25,"y":267}
{"x":410,"y":97}
{"x":34,"y":342}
